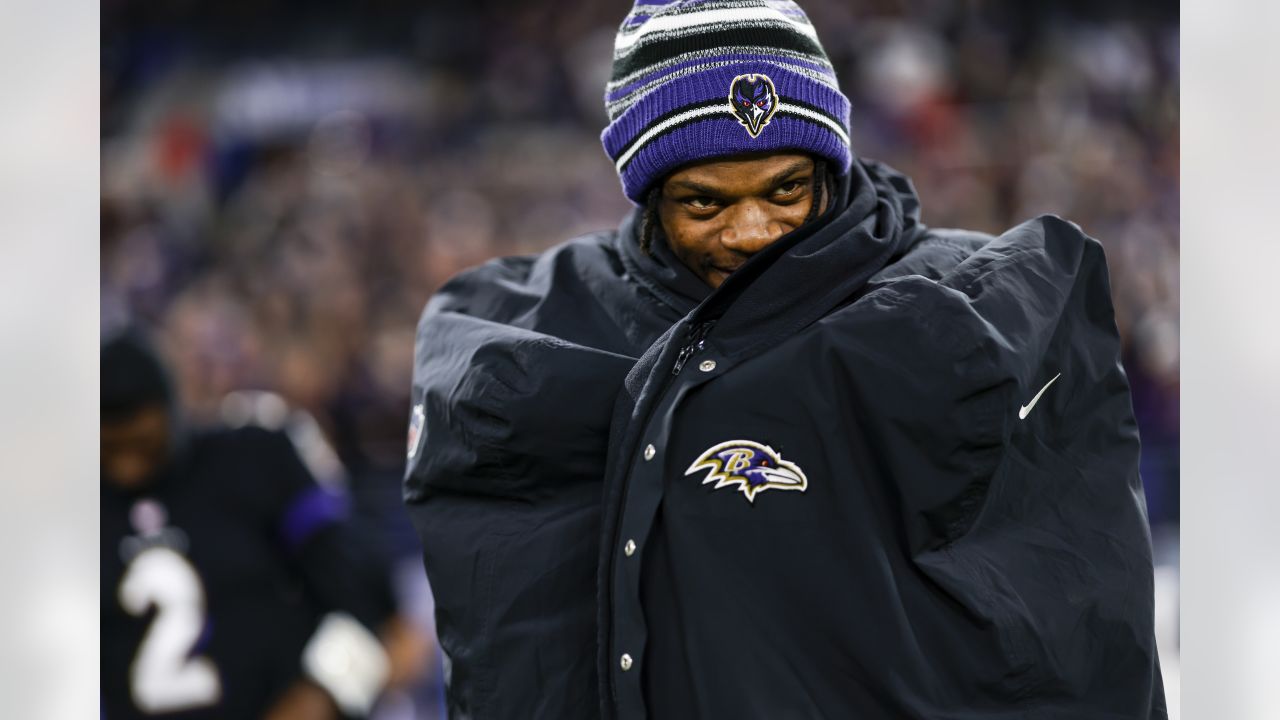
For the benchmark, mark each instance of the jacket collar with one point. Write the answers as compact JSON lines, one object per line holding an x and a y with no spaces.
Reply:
{"x":660,"y":271}
{"x":873,"y":217}
{"x":818,"y":266}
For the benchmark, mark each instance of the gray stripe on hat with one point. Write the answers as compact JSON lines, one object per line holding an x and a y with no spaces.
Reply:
{"x":621,"y":105}
{"x":821,"y":60}
{"x":790,"y":9}
{"x":652,"y":37}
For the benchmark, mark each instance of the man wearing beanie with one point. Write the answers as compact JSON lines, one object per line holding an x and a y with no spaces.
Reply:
{"x":774,"y":448}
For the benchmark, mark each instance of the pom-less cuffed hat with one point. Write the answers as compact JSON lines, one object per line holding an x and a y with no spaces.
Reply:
{"x":699,"y":79}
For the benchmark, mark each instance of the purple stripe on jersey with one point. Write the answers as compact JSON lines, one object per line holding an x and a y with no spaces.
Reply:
{"x":311,"y":510}
{"x":731,"y":57}
{"x":206,"y":636}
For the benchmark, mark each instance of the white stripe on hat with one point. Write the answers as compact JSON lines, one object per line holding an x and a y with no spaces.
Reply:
{"x":804,"y":112}
{"x":619,"y":106}
{"x":819,"y":60}
{"x":651,"y":132}
{"x":728,"y":16}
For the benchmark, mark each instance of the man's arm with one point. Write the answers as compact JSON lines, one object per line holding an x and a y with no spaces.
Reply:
{"x":360,"y":644}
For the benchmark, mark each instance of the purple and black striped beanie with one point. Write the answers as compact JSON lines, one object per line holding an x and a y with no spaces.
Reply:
{"x":698,"y":79}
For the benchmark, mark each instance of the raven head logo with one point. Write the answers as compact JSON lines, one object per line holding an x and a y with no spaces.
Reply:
{"x":754,"y":101}
{"x":751,"y":466}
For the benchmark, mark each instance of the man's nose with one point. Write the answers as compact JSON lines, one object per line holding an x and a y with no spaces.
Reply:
{"x":749,"y":229}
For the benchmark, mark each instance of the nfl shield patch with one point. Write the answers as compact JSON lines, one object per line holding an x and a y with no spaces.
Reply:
{"x":416,"y":422}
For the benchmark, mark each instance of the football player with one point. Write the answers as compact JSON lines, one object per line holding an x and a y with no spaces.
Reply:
{"x":232,"y":586}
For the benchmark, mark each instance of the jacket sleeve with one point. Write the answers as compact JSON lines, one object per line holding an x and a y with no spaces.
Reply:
{"x":968,"y":347}
{"x":1026,"y":504}
{"x":503,"y":487}
{"x":507,"y":412}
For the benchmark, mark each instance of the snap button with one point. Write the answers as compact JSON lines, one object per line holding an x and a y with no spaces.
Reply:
{"x":629,"y":548}
{"x":707,"y":365}
{"x":649,"y":452}
{"x":625,"y":662}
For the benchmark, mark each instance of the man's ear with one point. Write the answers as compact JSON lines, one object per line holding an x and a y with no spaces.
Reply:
{"x":651,"y":219}
{"x":821,"y":190}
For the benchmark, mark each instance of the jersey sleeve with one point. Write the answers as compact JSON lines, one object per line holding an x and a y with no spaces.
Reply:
{"x":340,"y":569}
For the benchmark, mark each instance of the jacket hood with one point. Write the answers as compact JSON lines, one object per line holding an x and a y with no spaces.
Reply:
{"x":873,"y":218}
{"x":801,"y":277}
{"x":659,"y":271}
{"x":872,"y":221}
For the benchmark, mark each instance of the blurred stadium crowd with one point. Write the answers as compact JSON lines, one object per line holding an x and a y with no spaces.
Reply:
{"x":284,"y":184}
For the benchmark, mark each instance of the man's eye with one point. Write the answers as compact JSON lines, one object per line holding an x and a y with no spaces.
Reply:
{"x":790,"y":188}
{"x":700,"y":203}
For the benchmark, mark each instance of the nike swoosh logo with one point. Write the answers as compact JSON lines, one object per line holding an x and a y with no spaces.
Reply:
{"x":1022,"y":411}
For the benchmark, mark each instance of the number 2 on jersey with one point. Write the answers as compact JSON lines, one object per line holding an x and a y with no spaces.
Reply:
{"x":164,"y":677}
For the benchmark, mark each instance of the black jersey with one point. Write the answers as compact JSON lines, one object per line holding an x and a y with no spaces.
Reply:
{"x":215,"y":576}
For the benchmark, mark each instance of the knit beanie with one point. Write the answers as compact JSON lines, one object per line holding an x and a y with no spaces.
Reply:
{"x":699,"y":79}
{"x":132,"y":376}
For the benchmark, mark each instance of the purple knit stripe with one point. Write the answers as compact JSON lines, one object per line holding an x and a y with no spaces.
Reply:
{"x":794,"y":12}
{"x":825,"y":69}
{"x":310,"y":511}
{"x":714,"y":84}
{"x":722,"y":135}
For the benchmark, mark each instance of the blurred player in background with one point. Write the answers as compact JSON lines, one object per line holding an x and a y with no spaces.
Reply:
{"x":232,"y":585}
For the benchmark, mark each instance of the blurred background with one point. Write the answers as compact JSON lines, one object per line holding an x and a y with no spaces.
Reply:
{"x":284,"y":184}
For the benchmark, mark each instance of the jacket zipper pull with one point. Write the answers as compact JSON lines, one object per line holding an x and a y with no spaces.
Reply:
{"x":697,"y":335}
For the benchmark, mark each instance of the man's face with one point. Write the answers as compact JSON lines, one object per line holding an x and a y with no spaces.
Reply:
{"x":718,"y":214}
{"x":134,"y":449}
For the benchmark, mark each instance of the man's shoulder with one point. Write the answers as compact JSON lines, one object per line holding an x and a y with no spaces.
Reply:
{"x":504,"y":284}
{"x":933,"y":253}
{"x":947,"y":272}
{"x":508,"y":268}
{"x":249,"y":437}
{"x":938,"y":252}
{"x":1041,"y":247}
{"x":244,"y":451}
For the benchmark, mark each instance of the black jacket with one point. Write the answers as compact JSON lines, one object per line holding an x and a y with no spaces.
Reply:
{"x":885,"y":537}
